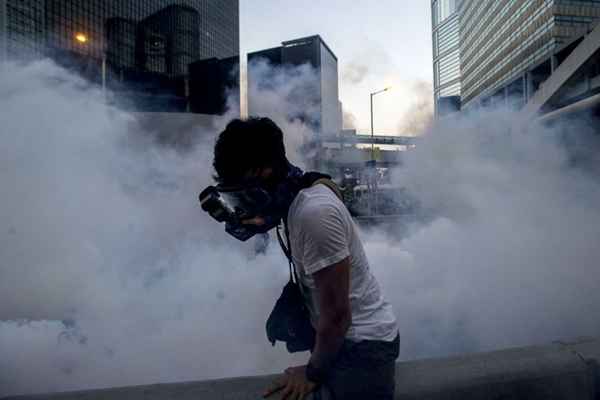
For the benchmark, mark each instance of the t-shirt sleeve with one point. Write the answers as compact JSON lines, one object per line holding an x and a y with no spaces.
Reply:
{"x":325,"y":236}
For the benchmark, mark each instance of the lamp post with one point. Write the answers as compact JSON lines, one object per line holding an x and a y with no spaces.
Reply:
{"x":372,"y":130}
{"x":372,"y":180}
{"x":83,"y":40}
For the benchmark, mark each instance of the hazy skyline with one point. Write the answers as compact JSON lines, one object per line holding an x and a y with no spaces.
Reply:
{"x":377,"y":44}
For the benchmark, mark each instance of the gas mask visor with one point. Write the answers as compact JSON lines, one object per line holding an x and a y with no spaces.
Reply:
{"x":233,"y":204}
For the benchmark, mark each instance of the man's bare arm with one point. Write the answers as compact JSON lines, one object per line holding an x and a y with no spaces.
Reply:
{"x":333,"y":286}
{"x":335,"y":317}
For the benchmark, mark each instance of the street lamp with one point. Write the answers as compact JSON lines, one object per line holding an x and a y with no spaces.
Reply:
{"x":83,"y":39}
{"x":372,"y":132}
{"x":372,"y":178}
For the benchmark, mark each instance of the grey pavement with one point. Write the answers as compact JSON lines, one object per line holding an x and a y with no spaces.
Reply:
{"x":562,"y":370}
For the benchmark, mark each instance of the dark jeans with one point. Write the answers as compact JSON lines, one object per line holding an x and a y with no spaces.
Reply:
{"x":364,"y":370}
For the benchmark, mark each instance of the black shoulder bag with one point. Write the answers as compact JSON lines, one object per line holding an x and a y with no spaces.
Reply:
{"x":289,"y":321}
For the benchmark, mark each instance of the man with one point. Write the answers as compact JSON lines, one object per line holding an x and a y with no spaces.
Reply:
{"x":357,"y":338}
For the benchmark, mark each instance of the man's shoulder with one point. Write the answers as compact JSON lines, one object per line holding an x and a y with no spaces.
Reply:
{"x":318,"y":197}
{"x":317,"y":203}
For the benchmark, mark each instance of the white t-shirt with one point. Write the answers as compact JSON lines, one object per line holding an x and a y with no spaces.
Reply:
{"x":323,"y":233}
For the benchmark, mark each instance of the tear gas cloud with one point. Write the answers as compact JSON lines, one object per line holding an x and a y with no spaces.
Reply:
{"x":348,"y":120}
{"x":419,"y":114}
{"x":289,"y":95}
{"x":510,"y":257}
{"x":355,"y":72}
{"x":112,"y":275}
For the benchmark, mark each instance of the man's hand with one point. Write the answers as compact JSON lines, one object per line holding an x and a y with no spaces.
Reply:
{"x":294,"y":384}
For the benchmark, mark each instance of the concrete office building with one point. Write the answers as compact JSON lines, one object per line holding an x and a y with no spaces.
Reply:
{"x":446,"y":55}
{"x":325,"y":117}
{"x":508,"y":47}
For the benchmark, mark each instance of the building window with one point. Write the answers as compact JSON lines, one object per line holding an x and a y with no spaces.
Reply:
{"x":442,"y":9}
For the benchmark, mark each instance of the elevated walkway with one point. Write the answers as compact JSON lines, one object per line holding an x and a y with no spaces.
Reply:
{"x":560,"y":371}
{"x":549,"y":90}
{"x":368,"y":139}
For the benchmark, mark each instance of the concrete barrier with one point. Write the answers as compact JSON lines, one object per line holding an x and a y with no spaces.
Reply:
{"x":563,"y":370}
{"x":545,"y":372}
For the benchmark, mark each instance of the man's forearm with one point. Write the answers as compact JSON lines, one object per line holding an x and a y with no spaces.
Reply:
{"x":335,"y":318}
{"x":329,"y":340}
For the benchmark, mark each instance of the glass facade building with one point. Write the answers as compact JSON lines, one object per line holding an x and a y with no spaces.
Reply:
{"x":32,"y":25}
{"x":501,"y":40}
{"x":147,"y":43}
{"x":22,"y":28}
{"x":446,"y":50}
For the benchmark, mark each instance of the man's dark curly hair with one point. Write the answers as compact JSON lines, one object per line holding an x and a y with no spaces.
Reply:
{"x":246,"y":145}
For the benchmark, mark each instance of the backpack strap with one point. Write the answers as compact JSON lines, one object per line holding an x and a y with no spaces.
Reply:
{"x":331,"y":185}
{"x":310,"y":179}
{"x":313,"y":178}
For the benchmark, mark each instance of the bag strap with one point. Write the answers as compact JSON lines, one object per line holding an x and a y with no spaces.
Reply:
{"x":331,"y":185}
{"x":287,"y":248}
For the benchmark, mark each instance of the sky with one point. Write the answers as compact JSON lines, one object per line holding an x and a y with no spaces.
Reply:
{"x":378,"y":44}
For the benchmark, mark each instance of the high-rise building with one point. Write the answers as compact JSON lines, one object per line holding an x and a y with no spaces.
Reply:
{"x":122,"y":41}
{"x":504,"y":42}
{"x":322,"y":97}
{"x":214,"y":85}
{"x":32,"y":25}
{"x":168,"y":40}
{"x":446,"y":52}
{"x":22,"y":28}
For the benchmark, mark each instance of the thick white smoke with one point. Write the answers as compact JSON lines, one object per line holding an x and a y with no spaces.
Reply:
{"x":112,"y":275}
{"x":289,"y":96}
{"x":511,"y":254}
{"x":405,"y":109}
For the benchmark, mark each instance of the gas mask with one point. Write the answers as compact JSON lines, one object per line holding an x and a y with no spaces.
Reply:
{"x":233,"y":204}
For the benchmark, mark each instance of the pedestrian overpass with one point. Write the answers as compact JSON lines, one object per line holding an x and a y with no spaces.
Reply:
{"x":573,"y":86}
